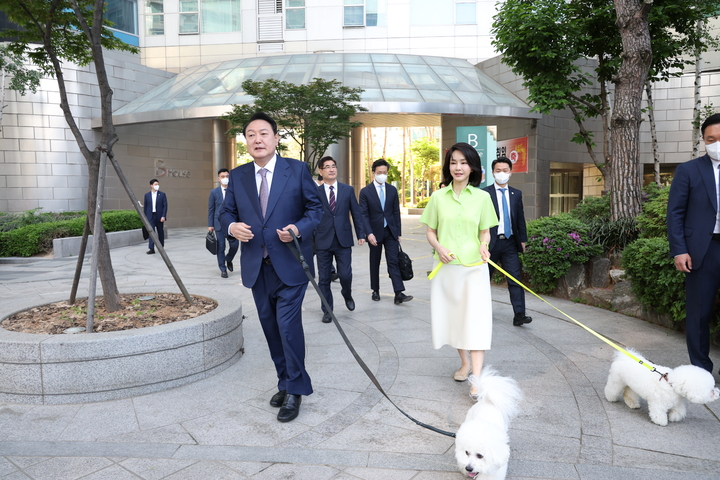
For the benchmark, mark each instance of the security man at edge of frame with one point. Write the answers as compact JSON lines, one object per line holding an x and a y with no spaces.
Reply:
{"x":266,"y":199}
{"x":693,"y":224}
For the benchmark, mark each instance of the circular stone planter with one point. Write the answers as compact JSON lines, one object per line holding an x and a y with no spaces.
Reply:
{"x":80,"y":368}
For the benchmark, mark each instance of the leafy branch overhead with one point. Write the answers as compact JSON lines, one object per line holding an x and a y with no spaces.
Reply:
{"x":315,"y":115}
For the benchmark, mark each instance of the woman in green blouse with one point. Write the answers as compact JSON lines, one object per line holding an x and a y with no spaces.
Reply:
{"x":458,"y":218}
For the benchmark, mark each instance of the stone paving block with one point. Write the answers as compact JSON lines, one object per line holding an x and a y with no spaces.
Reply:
{"x":155,"y":468}
{"x":214,"y":470}
{"x":113,"y":472}
{"x":316,"y":472}
{"x":6,"y":467}
{"x":518,"y":468}
{"x":66,"y":468}
{"x":381,"y":474}
{"x":655,"y":460}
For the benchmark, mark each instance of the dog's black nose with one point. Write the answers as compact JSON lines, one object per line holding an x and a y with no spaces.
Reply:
{"x":469,"y":468}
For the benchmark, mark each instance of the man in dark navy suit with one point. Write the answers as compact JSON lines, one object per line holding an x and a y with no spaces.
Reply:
{"x":508,"y":239}
{"x":215,"y":201}
{"x":334,"y":237}
{"x":266,"y":199}
{"x":155,"y":209}
{"x":380,"y":209}
{"x":693,"y":224}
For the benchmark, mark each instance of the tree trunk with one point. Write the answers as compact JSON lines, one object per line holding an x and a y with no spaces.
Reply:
{"x":632,"y":22}
{"x":653,"y":133}
{"x":696,"y":137}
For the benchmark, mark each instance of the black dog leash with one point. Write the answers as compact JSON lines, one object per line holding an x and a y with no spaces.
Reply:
{"x":300,"y":258}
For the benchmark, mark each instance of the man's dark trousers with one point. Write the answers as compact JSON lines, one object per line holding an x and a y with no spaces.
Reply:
{"x":280,"y":313}
{"x":700,"y":285}
{"x":504,"y":252}
{"x":157,"y":225}
{"x":343,"y":256}
{"x":392,"y":249}
{"x":234,"y":246}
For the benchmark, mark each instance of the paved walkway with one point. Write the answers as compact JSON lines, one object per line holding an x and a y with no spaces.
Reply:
{"x":223,"y":428}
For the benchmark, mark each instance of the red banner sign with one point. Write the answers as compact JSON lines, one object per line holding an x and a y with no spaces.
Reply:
{"x":517,"y":151}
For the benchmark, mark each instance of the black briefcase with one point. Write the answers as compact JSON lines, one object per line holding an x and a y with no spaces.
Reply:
{"x":145,"y":233}
{"x":211,"y":242}
{"x":406,"y":270}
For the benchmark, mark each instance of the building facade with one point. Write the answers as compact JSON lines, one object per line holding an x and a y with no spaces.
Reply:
{"x":421,"y":63}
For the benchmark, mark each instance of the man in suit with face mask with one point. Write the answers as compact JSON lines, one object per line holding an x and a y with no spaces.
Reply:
{"x":381,"y":221}
{"x":693,"y":224}
{"x":508,"y":239}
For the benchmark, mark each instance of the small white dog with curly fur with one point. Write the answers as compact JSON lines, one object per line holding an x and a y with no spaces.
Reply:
{"x":632,"y":381}
{"x":482,"y":447}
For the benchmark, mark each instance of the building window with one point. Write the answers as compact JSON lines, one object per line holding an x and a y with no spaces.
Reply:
{"x":220,"y":16}
{"x":294,"y":14}
{"x":465,"y":12}
{"x":189,"y":17}
{"x":364,"y":13}
{"x":123,"y":15}
{"x":154,"y":17}
{"x":565,"y":190}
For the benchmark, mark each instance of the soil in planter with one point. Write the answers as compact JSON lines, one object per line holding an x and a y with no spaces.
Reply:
{"x":164,"y":308}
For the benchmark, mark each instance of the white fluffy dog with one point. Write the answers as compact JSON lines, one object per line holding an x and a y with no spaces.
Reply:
{"x":631,"y":381}
{"x":482,"y":447}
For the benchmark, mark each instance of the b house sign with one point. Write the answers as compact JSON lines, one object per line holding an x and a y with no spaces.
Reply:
{"x":162,"y":170}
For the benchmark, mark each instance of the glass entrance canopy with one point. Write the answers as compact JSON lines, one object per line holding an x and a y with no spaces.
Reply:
{"x":392,"y":83}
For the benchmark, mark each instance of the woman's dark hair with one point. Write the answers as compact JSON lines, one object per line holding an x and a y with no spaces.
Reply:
{"x":473,"y":159}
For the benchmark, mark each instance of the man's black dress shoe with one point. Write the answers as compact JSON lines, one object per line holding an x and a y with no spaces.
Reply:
{"x":150,"y":252}
{"x":327,"y":318}
{"x":350,"y":304}
{"x":223,"y":274}
{"x":400,"y":297}
{"x":230,"y":265}
{"x":290,"y":408}
{"x":376,"y":295}
{"x":278,"y":399}
{"x":520,"y":320}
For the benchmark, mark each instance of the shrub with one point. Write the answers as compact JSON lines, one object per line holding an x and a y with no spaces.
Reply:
{"x":613,"y":234}
{"x":554,"y":244}
{"x":423,"y":203}
{"x":655,"y":280}
{"x":34,"y":238}
{"x":591,"y":208}
{"x":652,"y":221}
{"x":11,"y":221}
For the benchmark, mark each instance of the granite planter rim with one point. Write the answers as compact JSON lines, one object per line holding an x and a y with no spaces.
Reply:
{"x":77,"y":368}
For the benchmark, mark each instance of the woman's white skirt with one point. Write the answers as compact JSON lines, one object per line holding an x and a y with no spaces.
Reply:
{"x":461,"y":307}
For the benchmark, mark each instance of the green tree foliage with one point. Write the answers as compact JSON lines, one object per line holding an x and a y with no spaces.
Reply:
{"x":21,"y":78}
{"x":315,"y":115}
{"x":547,"y":42}
{"x":426,"y":155}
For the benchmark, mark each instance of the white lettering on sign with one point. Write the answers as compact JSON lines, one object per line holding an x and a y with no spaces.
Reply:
{"x":473,"y":140}
{"x":162,"y":171}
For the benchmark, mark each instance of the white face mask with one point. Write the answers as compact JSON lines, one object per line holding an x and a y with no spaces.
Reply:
{"x":501,"y":178}
{"x":225,"y":180}
{"x":713,"y":150}
{"x":381,"y":178}
{"x":156,"y":187}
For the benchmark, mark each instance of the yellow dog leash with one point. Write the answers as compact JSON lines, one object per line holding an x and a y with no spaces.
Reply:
{"x":612,"y":344}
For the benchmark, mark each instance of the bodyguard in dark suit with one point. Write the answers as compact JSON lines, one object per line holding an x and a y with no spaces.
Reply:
{"x":155,"y":208}
{"x":508,"y":239}
{"x":693,"y":225}
{"x":333,"y":237}
{"x":215,"y":201}
{"x":266,"y":199}
{"x":381,"y":222}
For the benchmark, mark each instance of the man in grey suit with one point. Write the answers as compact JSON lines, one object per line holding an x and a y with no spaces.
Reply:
{"x":333,"y":237}
{"x":215,"y":202}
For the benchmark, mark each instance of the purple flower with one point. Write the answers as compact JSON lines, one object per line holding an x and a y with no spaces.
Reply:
{"x":545,"y":240}
{"x":559,"y":249}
